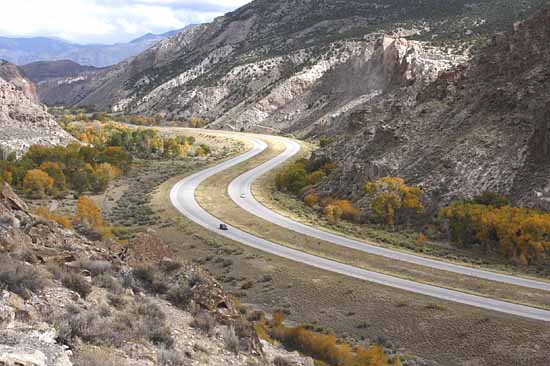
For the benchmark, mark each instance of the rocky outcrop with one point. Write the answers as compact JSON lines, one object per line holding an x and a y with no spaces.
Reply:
{"x":23,"y":121}
{"x":14,"y":75}
{"x":110,"y":312}
{"x":476,"y":128}
{"x":256,"y":67}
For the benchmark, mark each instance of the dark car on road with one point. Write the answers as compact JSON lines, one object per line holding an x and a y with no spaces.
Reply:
{"x":223,"y":227}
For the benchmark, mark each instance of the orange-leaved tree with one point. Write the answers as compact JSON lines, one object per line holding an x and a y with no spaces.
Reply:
{"x":37,"y":183}
{"x":89,"y":216}
{"x":326,"y":348}
{"x":517,"y":233}
{"x":56,"y":173}
{"x":311,"y":199}
{"x":52,"y":216}
{"x":393,"y":201}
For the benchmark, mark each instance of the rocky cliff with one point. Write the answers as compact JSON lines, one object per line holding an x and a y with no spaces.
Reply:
{"x":14,"y":75}
{"x":23,"y":120}
{"x":479,"y":127}
{"x":65,"y":300}
{"x":394,"y":84}
{"x":266,"y":56}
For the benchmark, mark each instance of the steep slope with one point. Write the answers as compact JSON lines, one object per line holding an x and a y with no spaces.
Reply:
{"x":480,"y":127}
{"x":23,"y":51}
{"x":14,"y":75}
{"x":23,"y":121}
{"x":240,"y":58}
{"x":66,"y":300}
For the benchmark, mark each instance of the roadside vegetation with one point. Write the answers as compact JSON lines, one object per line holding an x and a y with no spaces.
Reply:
{"x":324,"y":348}
{"x":107,"y":152}
{"x":488,"y":223}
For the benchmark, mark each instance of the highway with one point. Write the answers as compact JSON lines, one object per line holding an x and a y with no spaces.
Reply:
{"x":242,"y":185}
{"x":183,"y":198}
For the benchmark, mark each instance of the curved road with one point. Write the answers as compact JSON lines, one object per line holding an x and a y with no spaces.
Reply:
{"x":182,"y":196}
{"x":242,"y":185}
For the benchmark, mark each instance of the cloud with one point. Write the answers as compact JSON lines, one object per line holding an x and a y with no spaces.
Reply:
{"x":87,"y":21}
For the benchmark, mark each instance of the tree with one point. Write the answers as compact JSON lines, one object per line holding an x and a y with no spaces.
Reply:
{"x":101,"y":176}
{"x":492,"y":199}
{"x":116,"y":156}
{"x":172,"y":149}
{"x":311,"y":199}
{"x":52,"y":216}
{"x":332,"y":213}
{"x":348,"y":211}
{"x":200,"y":152}
{"x":315,"y":177}
{"x":89,"y":216}
{"x":197,"y":122}
{"x":517,"y":233}
{"x":7,"y":177}
{"x":37,"y":183}
{"x":394,"y":202}
{"x":54,"y":170}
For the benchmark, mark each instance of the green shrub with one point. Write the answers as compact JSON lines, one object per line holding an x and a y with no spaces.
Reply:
{"x":204,"y":322}
{"x":171,"y":358}
{"x":77,"y":283}
{"x":20,"y":278}
{"x":180,"y":296}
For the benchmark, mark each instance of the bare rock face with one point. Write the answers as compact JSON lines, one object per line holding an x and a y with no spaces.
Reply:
{"x":482,"y":126}
{"x":32,"y":348}
{"x":23,"y":121}
{"x":257,"y":67}
{"x":12,"y":74}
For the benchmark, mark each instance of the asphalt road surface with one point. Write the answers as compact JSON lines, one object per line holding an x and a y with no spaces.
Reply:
{"x":240,"y":192}
{"x":182,"y":196}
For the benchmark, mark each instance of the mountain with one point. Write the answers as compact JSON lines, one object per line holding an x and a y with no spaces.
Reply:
{"x":23,"y":51}
{"x":265,"y":55}
{"x":156,"y":37}
{"x":479,"y":127}
{"x":373,"y":77}
{"x":44,"y":70}
{"x":23,"y":121}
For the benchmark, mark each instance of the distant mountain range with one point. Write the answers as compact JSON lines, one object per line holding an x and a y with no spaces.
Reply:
{"x":23,"y":51}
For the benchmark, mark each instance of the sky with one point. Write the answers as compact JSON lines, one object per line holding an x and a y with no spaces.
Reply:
{"x":105,"y":21}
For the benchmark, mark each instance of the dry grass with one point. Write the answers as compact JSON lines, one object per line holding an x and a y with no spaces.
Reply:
{"x":212,"y":195}
{"x":319,"y":297}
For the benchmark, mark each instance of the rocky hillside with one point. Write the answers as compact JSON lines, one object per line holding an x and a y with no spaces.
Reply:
{"x":14,"y":75}
{"x":268,"y":55}
{"x":479,"y":127}
{"x":65,"y":300}
{"x":44,"y":70}
{"x":396,"y":85}
{"x":23,"y":120}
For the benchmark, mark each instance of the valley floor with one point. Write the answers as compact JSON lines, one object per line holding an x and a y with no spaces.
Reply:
{"x":350,"y":307}
{"x":357,"y":310}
